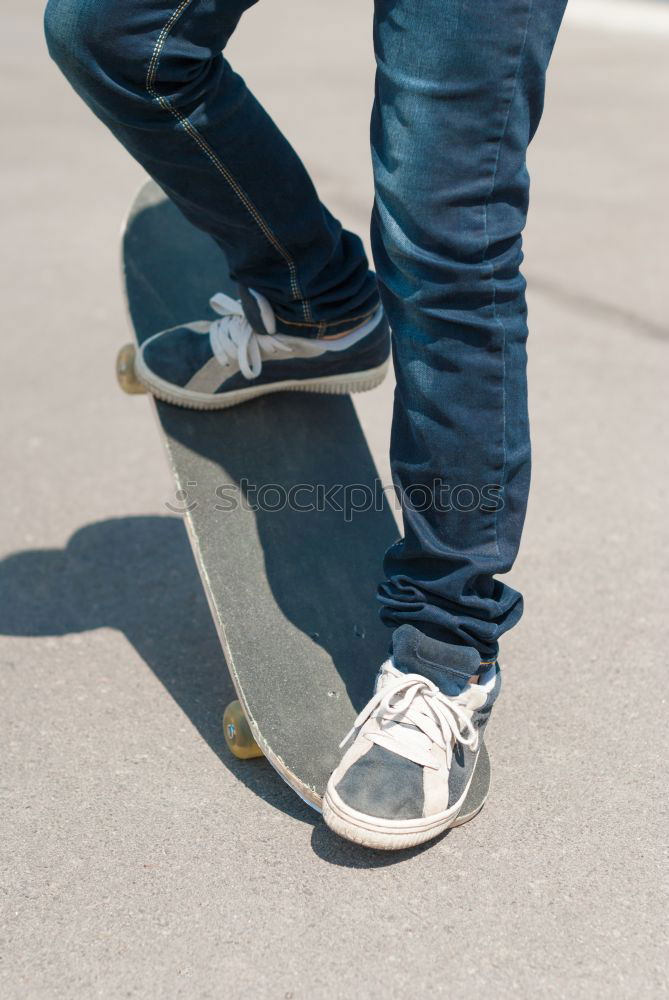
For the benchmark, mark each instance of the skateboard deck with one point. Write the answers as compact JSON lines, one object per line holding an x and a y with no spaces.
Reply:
{"x":270,"y":492}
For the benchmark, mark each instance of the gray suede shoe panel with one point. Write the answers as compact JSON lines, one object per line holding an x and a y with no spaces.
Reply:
{"x":385,"y":785}
{"x":177,"y":354}
{"x":481,"y":715}
{"x":462,"y":768}
{"x":464,"y":760}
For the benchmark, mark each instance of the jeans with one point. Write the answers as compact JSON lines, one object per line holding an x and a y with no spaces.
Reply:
{"x":458,"y":97}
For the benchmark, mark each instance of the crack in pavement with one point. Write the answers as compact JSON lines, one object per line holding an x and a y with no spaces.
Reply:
{"x":597,"y":308}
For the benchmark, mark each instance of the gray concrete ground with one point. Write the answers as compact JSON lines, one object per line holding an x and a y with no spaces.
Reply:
{"x":140,"y":860}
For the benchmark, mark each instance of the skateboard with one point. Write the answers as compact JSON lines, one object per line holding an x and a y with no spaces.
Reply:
{"x":287,"y":522}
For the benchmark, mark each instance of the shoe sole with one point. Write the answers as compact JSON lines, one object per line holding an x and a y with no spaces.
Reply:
{"x":392,"y":835}
{"x":331,"y":384}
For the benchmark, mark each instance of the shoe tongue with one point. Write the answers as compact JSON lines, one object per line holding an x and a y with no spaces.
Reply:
{"x":450,"y":682}
{"x":446,"y":665}
{"x":257,"y":310}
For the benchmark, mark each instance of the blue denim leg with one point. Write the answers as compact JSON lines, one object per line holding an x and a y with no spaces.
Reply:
{"x":459,"y":94}
{"x":153,"y":72}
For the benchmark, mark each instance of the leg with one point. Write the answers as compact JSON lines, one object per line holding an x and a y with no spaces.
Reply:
{"x":459,"y":96}
{"x":153,"y":72}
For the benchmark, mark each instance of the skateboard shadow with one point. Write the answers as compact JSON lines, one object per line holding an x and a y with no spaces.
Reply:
{"x":137,"y":575}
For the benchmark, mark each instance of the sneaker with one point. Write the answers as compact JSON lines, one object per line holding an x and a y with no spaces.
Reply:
{"x":406,"y":775}
{"x":218,"y":363}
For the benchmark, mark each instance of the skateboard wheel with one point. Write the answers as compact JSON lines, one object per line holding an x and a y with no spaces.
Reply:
{"x":125,"y":371}
{"x":238,"y":733}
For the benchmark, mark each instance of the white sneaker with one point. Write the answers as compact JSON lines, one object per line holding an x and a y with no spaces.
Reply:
{"x":406,"y":775}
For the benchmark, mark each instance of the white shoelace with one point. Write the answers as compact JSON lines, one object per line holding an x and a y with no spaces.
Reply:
{"x":413,"y":714}
{"x":233,"y":338}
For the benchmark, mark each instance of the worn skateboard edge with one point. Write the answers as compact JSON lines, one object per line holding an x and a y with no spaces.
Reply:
{"x":305,"y":792}
{"x":308,"y":794}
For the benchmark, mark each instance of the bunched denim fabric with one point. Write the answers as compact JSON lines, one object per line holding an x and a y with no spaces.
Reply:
{"x":459,"y":95}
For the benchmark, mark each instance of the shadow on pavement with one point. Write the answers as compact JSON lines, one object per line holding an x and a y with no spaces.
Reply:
{"x":331,"y":848}
{"x":137,"y":575}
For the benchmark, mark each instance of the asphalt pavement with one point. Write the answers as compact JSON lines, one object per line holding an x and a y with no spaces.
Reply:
{"x":139,"y":858}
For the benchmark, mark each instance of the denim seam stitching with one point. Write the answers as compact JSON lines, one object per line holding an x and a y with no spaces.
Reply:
{"x":441,"y":666}
{"x":335,"y":322}
{"x":201,"y":142}
{"x":487,"y":247}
